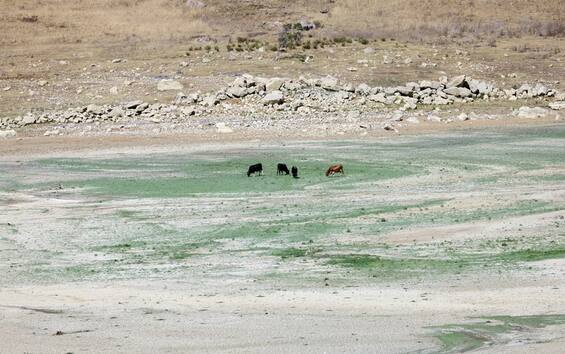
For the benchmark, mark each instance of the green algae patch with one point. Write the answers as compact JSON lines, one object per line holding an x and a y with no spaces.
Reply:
{"x":290,"y":252}
{"x":531,"y":255}
{"x":388,"y":266}
{"x":490,"y":331}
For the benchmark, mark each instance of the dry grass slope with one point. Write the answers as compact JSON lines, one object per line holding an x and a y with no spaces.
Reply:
{"x":71,"y":21}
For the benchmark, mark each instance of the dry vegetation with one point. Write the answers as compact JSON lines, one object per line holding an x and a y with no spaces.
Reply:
{"x":57,"y":21}
{"x":436,"y":19}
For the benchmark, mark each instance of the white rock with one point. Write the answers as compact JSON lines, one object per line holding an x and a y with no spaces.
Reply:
{"x":379,"y":97}
{"x":274,"y":84}
{"x":558,"y":105}
{"x":368,"y":50}
{"x":223,"y":129}
{"x":363,"y":89}
{"x":413,"y":120}
{"x":42,"y":83}
{"x":527,"y":112}
{"x":10,"y":133}
{"x":210,"y":100}
{"x":169,"y":85}
{"x":463,"y":117}
{"x":133,"y":104}
{"x":458,"y":91}
{"x":52,"y":132}
{"x":273,"y":98}
{"x":28,"y":119}
{"x":456,"y":81}
{"x":329,"y":83}
{"x":236,"y":91}
{"x":114,"y":90}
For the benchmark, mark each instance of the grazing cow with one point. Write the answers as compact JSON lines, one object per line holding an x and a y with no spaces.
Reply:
{"x":294,"y":172}
{"x":334,"y":169}
{"x":282,"y":168}
{"x":253,"y":169}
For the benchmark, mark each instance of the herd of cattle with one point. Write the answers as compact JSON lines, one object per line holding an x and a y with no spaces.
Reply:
{"x":282,"y":169}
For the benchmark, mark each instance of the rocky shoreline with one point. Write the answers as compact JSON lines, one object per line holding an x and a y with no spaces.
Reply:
{"x":261,"y":103}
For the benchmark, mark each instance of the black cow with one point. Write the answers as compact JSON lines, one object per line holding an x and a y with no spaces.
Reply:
{"x":253,"y":169}
{"x":294,"y":172}
{"x":282,"y":168}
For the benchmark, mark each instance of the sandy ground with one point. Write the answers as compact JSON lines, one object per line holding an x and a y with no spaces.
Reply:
{"x":238,"y":314}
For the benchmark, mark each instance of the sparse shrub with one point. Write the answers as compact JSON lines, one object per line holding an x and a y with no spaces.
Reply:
{"x":207,"y":48}
{"x":241,"y":40}
{"x":289,"y":37}
{"x":306,"y":45}
{"x":229,"y":48}
{"x":216,"y":48}
{"x":273,"y":48}
{"x":522,"y":48}
{"x":30,"y":19}
{"x":363,"y":41}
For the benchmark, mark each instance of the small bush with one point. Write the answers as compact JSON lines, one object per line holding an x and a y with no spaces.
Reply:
{"x":363,"y":41}
{"x":30,"y":19}
{"x":289,"y":37}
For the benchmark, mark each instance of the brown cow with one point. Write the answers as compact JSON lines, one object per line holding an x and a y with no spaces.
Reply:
{"x":334,"y":169}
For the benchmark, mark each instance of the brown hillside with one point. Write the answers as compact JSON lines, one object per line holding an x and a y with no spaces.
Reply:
{"x":72,"y":21}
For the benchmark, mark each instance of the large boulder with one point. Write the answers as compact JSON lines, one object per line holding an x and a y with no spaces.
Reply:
{"x":558,"y":105}
{"x":274,"y":84}
{"x":479,"y":87}
{"x":527,"y":112}
{"x":381,"y":97}
{"x":540,"y":90}
{"x":460,"y":92}
{"x":28,"y":119}
{"x":223,"y":128}
{"x":330,"y":83}
{"x":363,"y":89}
{"x":457,"y":81}
{"x":293,"y":85}
{"x":434,"y":85}
{"x":275,"y":97}
{"x":10,"y":133}
{"x":405,"y":90}
{"x":210,"y":101}
{"x":236,"y":91}
{"x":133,"y":104}
{"x":94,"y":109}
{"x":169,"y":85}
